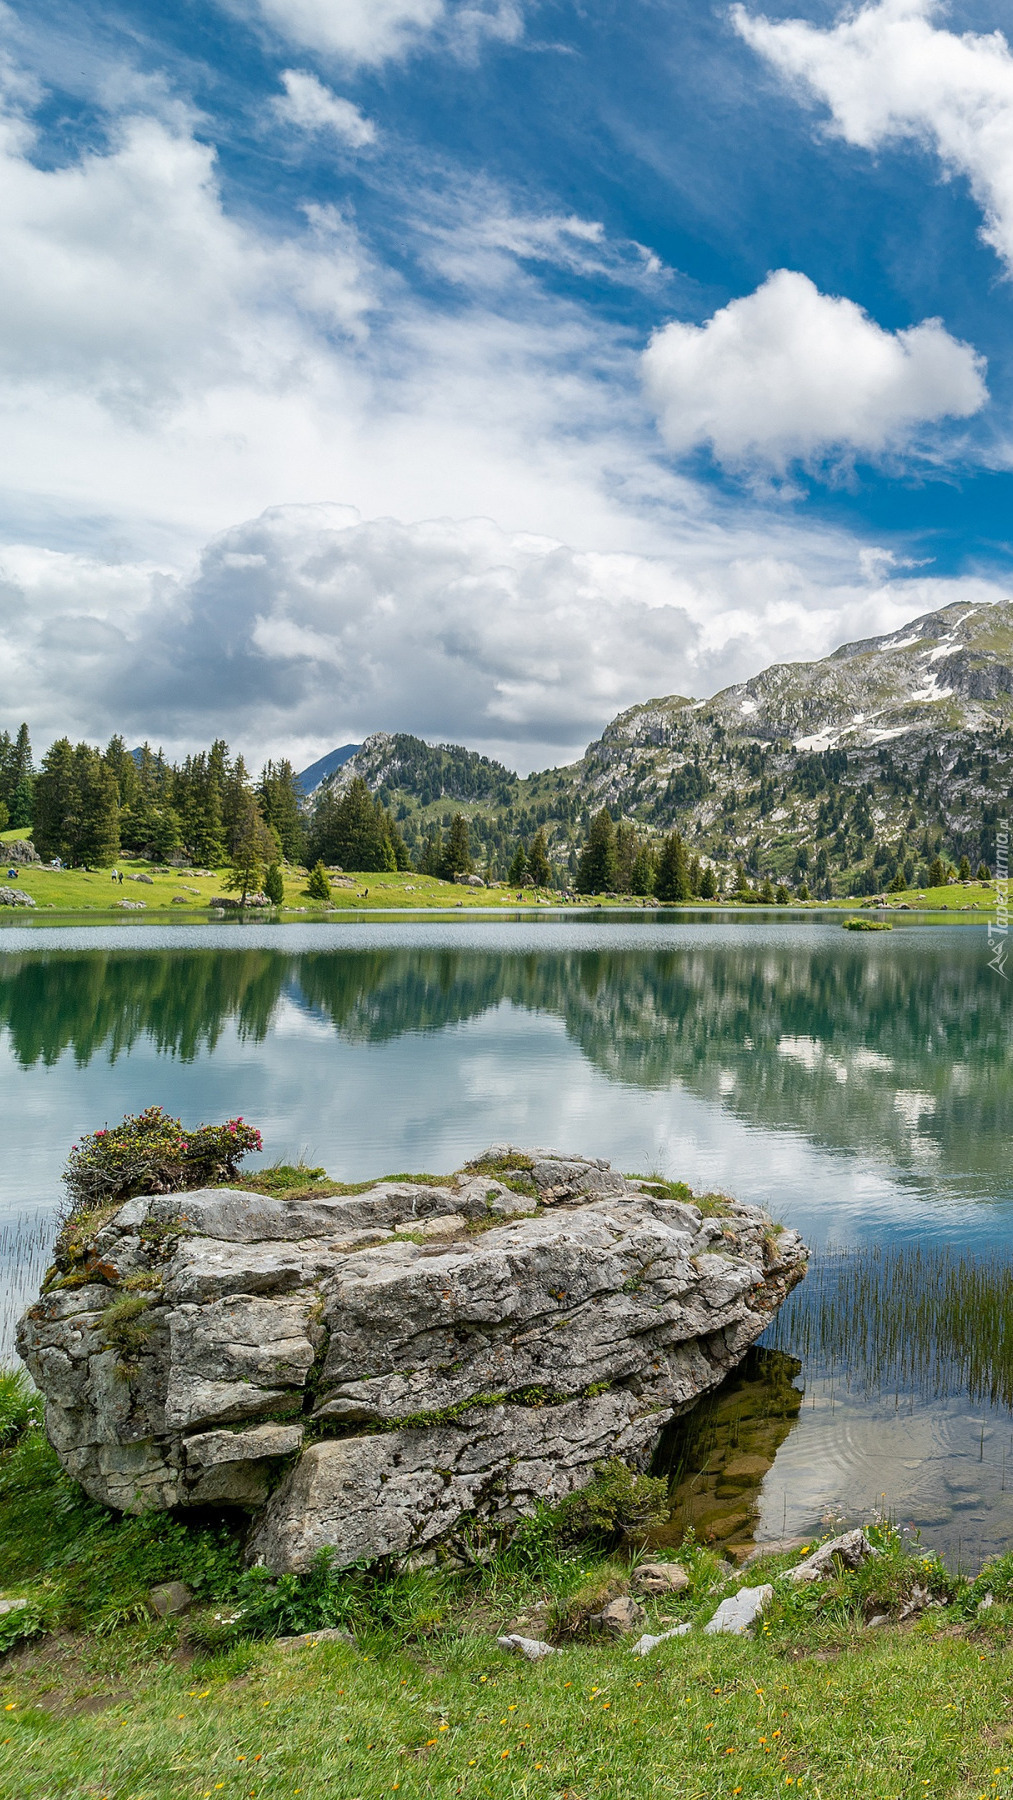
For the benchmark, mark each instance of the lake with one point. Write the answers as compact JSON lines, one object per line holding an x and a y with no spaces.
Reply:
{"x":858,"y":1086}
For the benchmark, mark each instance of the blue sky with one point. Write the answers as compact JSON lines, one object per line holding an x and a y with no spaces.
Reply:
{"x":480,"y":367}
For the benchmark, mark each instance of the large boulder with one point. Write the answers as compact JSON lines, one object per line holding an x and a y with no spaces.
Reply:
{"x":15,"y":897}
{"x":19,"y":851}
{"x":366,"y":1371}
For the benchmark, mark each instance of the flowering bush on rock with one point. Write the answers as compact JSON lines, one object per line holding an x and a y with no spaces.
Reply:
{"x":151,"y":1153}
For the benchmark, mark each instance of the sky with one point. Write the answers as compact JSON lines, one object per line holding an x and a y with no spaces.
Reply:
{"x":479,"y":368}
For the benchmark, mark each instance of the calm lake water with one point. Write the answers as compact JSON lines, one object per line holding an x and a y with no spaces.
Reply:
{"x":860,"y":1087}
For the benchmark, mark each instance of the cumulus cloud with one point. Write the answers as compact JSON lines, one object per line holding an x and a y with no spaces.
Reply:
{"x":308,"y":627}
{"x":312,"y":107}
{"x":373,"y":31}
{"x":788,"y":372}
{"x":888,"y":73}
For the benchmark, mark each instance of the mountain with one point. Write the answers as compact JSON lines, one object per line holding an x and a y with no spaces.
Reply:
{"x":878,"y":757}
{"x":317,"y":772}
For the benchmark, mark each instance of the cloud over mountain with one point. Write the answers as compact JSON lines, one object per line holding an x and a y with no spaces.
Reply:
{"x":788,"y":372}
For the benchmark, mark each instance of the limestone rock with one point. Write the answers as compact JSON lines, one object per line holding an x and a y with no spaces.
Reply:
{"x":661,"y":1578}
{"x":465,"y":1349}
{"x":531,"y":1648}
{"x":740,"y":1611}
{"x":170,"y":1599}
{"x":849,"y":1551}
{"x":619,"y":1617}
{"x":20,"y":852}
{"x":15,"y":897}
{"x":308,"y":1640}
{"x":646,"y":1644}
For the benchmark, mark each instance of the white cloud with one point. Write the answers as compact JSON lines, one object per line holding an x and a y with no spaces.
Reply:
{"x":312,"y":107}
{"x":788,"y":372}
{"x":479,"y":238}
{"x":309,"y":627}
{"x":372,"y":31}
{"x":887,"y":73}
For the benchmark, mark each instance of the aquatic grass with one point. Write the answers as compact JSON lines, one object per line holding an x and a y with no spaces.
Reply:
{"x":918,"y":1319}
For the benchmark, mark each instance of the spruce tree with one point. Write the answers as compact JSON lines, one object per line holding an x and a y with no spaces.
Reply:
{"x":57,"y":803}
{"x":457,"y":858}
{"x":642,"y":872}
{"x":274,"y":886}
{"x":279,"y":796}
{"x":254,"y":846}
{"x":596,"y":870}
{"x":350,"y":829}
{"x":519,"y":866}
{"x":17,"y":778}
{"x":708,"y":884}
{"x":672,"y":880}
{"x":964,"y":872}
{"x":539,"y":868}
{"x":431,"y":860}
{"x":984,"y":872}
{"x":318,"y":887}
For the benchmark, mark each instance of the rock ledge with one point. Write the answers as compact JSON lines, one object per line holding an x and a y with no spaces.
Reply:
{"x":371,"y":1371}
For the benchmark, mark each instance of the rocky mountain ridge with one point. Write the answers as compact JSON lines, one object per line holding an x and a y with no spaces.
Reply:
{"x":897,"y":748}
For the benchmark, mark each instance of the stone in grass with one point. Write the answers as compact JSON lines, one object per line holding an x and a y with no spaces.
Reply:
{"x":171,"y":1598}
{"x":849,"y":1551}
{"x":646,"y":1644}
{"x":531,"y":1648}
{"x":9,"y":1606}
{"x":740,"y":1611}
{"x":618,"y":1618}
{"x":661,"y":1578}
{"x":331,"y":1634}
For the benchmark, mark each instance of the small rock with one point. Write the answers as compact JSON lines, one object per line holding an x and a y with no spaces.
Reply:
{"x":918,"y":1601}
{"x":850,"y":1551}
{"x":619,"y":1617}
{"x":147,"y":880}
{"x":741,"y":1610}
{"x":778,"y":1547}
{"x":532,"y":1648}
{"x":646,"y":1644}
{"x":169,"y":1599}
{"x":986,"y":1602}
{"x":661,"y":1578}
{"x":877,"y":1620}
{"x":332,"y":1634}
{"x":9,"y":1606}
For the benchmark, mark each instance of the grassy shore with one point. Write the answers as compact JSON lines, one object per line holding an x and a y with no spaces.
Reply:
{"x":186,"y":893}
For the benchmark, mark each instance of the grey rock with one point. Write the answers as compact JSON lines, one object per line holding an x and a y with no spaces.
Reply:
{"x":619,"y":1617}
{"x":878,"y":1620}
{"x":500,"y":1364}
{"x":20,"y":851}
{"x":739,"y":1613}
{"x":11,"y":1606}
{"x":985,"y":1602}
{"x":776,"y":1547}
{"x":170,"y":1599}
{"x":15,"y":897}
{"x":848,"y":1551}
{"x":646,"y":1644}
{"x":531,"y":1648}
{"x":308,"y":1640}
{"x":146,"y":879}
{"x":661,"y":1578}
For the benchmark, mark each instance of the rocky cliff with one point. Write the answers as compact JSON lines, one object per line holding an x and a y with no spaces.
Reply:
{"x":370,"y":1370}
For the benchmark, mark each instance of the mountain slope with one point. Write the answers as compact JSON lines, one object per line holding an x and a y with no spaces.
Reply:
{"x":840,"y":771}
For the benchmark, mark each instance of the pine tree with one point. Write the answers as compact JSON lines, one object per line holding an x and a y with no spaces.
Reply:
{"x":984,"y":872}
{"x":124,"y":767}
{"x":457,"y":858}
{"x":937,"y":873}
{"x":964,"y":872}
{"x":708,"y":884}
{"x":672,"y":880}
{"x":399,"y":849}
{"x":98,"y":841}
{"x":57,"y":803}
{"x":767,"y":892}
{"x":318,"y":887}
{"x":782,"y":896}
{"x":596,"y":870}
{"x":278,"y":793}
{"x":519,"y":866}
{"x":642,"y":872}
{"x":274,"y":886}
{"x":254,"y":846}
{"x":539,"y":868}
{"x":17,"y":778}
{"x":431,"y":860}
{"x":350,"y":829}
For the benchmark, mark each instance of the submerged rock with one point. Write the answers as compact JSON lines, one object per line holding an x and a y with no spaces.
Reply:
{"x":457,"y":1352}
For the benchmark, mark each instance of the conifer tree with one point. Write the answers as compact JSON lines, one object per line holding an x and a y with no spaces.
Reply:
{"x":278,"y":793}
{"x":274,"y":885}
{"x":538,"y":867}
{"x":318,"y":887}
{"x":964,"y":872}
{"x":596,"y":870}
{"x":518,"y":867}
{"x":708,"y":884}
{"x":254,"y":846}
{"x":672,"y":879}
{"x":642,"y":872}
{"x":457,"y":858}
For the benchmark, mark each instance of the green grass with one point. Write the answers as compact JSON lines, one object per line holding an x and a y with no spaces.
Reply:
{"x":107,"y":1701}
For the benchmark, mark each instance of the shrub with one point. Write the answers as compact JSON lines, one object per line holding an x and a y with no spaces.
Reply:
{"x":318,"y":887}
{"x":617,"y":1503}
{"x":20,"y":1407}
{"x":150,"y":1153}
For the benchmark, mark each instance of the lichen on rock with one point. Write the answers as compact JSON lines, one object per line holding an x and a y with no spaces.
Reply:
{"x":371,"y":1372}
